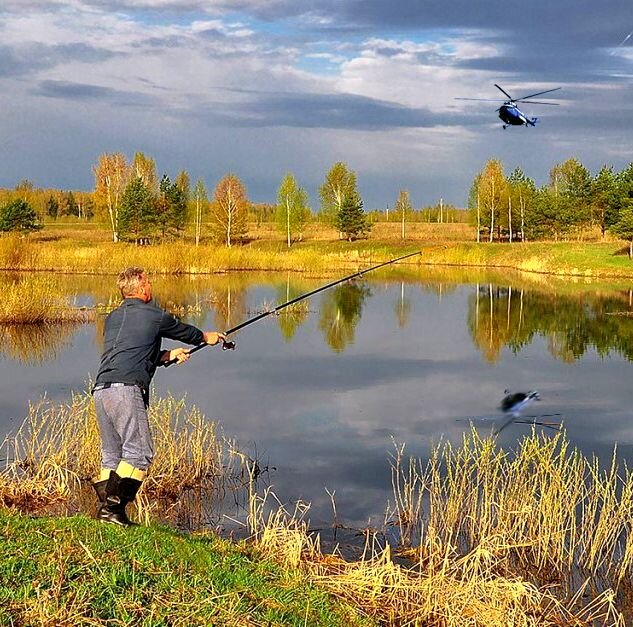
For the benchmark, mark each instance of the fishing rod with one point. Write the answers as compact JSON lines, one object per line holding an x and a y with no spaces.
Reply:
{"x":227,"y":345}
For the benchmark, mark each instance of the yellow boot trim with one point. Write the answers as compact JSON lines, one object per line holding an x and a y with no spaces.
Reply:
{"x":104,"y":475}
{"x":127,"y":470}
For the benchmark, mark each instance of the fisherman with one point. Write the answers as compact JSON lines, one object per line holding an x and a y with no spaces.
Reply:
{"x":132,"y":352}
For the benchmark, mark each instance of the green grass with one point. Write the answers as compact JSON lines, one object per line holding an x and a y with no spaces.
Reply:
{"x":77,"y":571}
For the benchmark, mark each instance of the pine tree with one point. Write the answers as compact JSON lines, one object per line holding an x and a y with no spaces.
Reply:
{"x":623,"y":228}
{"x":351,"y":220}
{"x":19,"y":216}
{"x":137,"y":216}
{"x":52,"y":207}
{"x":70,"y":207}
{"x":170,"y":206}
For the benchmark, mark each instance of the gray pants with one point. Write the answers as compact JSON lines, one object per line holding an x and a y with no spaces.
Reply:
{"x":124,"y":427}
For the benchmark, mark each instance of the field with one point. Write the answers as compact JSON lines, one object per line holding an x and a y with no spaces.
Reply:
{"x":87,"y":249}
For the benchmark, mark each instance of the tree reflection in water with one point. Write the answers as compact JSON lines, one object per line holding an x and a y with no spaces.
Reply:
{"x":341,"y":310}
{"x":501,"y":317}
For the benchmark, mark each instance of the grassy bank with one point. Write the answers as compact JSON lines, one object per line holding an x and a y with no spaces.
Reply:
{"x":536,"y":536}
{"x":76,"y":571}
{"x":589,"y":260}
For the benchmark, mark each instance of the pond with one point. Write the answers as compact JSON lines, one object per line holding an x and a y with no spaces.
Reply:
{"x":321,"y":394}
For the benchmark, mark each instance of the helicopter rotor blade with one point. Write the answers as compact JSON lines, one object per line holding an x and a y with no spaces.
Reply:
{"x":539,"y":93}
{"x":483,"y":99}
{"x":553,"y":104}
{"x":504,"y":91}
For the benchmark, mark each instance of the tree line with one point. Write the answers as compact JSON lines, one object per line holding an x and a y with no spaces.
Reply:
{"x":569,"y":205}
{"x":139,"y":206}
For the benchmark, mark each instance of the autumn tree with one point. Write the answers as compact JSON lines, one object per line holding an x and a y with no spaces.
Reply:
{"x":492,"y":190}
{"x":111,"y":176}
{"x":229,"y":212}
{"x":183,"y":183}
{"x":144,"y":168}
{"x":25,"y":190}
{"x":292,"y":211}
{"x":339,"y":185}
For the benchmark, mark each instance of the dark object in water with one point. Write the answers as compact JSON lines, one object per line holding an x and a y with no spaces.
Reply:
{"x":231,"y":345}
{"x":512,"y":403}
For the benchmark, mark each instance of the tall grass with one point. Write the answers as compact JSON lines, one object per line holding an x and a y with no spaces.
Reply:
{"x":49,"y":462}
{"x":466,"y":591}
{"x":35,"y":299}
{"x":315,"y":256}
{"x":544,"y":512}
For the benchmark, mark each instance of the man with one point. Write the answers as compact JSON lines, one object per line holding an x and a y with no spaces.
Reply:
{"x":132,"y":352}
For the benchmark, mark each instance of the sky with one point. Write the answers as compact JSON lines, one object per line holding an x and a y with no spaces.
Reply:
{"x":261,"y":88}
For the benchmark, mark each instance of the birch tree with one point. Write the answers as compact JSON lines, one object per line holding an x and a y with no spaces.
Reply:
{"x":111,"y":176}
{"x":292,"y":208}
{"x":144,"y":168}
{"x":492,"y":190}
{"x":230,"y":210}
{"x":404,"y":208}
{"x":339,"y":186}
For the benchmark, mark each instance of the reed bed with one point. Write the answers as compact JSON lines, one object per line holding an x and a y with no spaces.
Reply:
{"x":35,"y":299}
{"x":171,"y":258}
{"x":49,"y":462}
{"x":539,"y":537}
{"x":544,"y":512}
{"x":466,"y":591}
{"x":536,"y":536}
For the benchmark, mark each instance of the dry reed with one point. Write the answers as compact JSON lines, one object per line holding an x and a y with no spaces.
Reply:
{"x":48,"y":463}
{"x":537,"y":538}
{"x":35,"y":299}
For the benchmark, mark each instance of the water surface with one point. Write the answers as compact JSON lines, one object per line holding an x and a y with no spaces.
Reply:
{"x":322,"y":394}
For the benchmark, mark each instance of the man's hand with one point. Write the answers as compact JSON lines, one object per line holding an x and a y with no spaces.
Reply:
{"x":179,"y":354}
{"x":213,"y":337}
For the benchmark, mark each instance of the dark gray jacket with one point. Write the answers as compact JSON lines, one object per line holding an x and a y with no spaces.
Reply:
{"x":133,"y":334}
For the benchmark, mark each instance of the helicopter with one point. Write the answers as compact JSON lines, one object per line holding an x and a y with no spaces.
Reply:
{"x":510,"y":113}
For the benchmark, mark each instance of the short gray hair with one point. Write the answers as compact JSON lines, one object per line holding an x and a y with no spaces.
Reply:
{"x":130,"y":279}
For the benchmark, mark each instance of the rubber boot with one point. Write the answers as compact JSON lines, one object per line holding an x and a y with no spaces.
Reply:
{"x":119,"y":492}
{"x":100,"y":488}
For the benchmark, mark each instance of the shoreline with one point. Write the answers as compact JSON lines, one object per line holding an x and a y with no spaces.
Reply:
{"x":313,"y":258}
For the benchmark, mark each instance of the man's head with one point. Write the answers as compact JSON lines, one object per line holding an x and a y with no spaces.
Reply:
{"x":134,"y":283}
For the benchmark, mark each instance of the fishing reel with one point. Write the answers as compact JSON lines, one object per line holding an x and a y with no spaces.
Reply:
{"x":227,"y":345}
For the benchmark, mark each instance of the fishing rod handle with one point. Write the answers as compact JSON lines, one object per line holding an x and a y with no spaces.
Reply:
{"x":227,"y":345}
